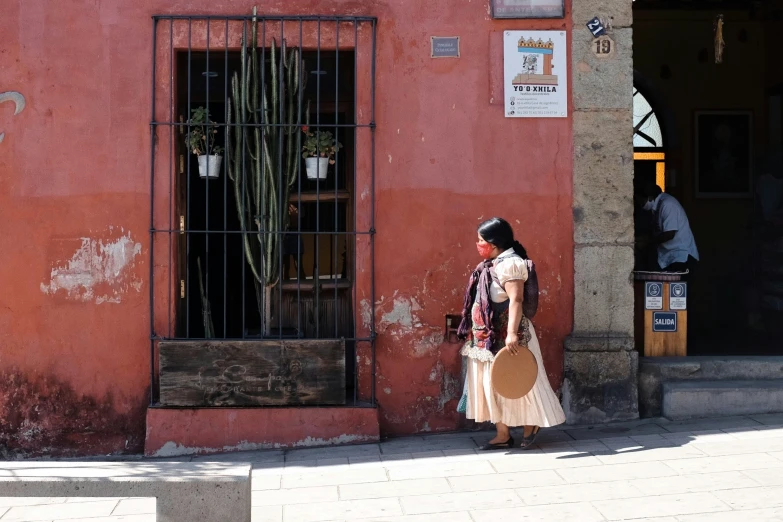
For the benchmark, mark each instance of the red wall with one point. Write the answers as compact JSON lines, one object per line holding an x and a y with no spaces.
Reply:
{"x":74,"y":209}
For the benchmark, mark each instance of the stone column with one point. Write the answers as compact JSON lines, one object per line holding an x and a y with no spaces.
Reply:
{"x":600,"y":374}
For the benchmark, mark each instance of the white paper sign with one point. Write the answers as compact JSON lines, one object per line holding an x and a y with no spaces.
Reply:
{"x":536,"y":82}
{"x":678,"y":296}
{"x":653,"y":296}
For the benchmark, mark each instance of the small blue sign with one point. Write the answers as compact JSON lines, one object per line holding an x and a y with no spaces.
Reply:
{"x":664,"y":321}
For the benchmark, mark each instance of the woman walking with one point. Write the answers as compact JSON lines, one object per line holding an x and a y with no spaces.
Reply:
{"x":493,"y":319}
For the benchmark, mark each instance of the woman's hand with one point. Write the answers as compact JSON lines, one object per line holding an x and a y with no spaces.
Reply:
{"x":512,"y":343}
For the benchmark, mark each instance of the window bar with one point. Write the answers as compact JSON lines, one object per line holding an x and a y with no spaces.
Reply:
{"x":357,"y":339}
{"x":372,"y":214}
{"x":317,"y":272}
{"x":241,"y":201}
{"x":202,"y":231}
{"x":152,"y":216}
{"x":355,"y":199}
{"x":298,"y":267}
{"x":271,"y":125}
{"x":263,"y":210}
{"x":276,"y":18}
{"x":187,"y":181}
{"x":282,"y":207}
{"x":225,"y":190}
{"x":336,"y":171}
{"x":172,"y":183}
{"x":206,"y":199}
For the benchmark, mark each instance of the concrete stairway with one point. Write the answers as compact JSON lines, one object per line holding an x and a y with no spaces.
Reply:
{"x":691,"y":387}
{"x":692,"y":399}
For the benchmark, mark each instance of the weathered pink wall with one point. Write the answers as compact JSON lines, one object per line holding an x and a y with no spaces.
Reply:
{"x":173,"y":432}
{"x":74,"y":209}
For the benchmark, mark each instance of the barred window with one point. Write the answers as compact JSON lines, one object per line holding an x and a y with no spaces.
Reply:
{"x":262,"y":181}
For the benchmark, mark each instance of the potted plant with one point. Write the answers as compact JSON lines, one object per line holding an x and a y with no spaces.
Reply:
{"x":201,"y":142}
{"x":319,"y":150}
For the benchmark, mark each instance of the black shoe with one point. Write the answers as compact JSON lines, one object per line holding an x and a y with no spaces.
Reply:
{"x":530,"y":439}
{"x":509,"y":444}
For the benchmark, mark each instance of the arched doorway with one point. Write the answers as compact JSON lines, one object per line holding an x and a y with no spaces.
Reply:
{"x":648,"y":142}
{"x":649,"y":161}
{"x":709,"y":148}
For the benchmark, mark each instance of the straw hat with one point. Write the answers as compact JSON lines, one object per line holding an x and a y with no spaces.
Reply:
{"x":513,"y":376}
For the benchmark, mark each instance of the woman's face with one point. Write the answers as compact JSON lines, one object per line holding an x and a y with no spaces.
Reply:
{"x":486,"y":250}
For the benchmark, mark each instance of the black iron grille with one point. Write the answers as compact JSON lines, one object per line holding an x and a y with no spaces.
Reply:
{"x":256,"y":244}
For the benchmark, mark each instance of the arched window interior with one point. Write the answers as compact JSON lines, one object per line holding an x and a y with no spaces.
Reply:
{"x":646,"y":128}
{"x":647,"y":138}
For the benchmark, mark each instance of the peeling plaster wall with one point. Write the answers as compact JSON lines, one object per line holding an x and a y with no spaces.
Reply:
{"x":74,"y":221}
{"x":447,"y":159}
{"x":173,"y":449}
{"x":182,"y":431}
{"x":100,"y":270}
{"x":74,"y":304}
{"x":46,"y":416}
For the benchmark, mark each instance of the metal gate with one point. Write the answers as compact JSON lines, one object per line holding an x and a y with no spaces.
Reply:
{"x":262,"y":195}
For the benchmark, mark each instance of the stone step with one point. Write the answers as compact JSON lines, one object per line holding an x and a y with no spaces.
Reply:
{"x":716,"y":398}
{"x":654,"y":371}
{"x":714,"y":368}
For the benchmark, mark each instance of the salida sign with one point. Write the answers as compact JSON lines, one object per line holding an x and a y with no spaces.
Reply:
{"x":665,"y":322}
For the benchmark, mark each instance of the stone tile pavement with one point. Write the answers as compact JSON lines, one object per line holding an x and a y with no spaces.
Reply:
{"x":698,"y":471}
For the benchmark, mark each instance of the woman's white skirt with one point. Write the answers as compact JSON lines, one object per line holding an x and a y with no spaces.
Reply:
{"x":540,"y":407}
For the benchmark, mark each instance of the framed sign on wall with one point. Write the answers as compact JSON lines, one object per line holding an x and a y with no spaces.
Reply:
{"x":535,"y":74}
{"x":724,"y":154}
{"x":528,"y":8}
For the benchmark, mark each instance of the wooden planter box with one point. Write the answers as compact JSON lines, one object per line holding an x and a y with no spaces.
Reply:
{"x":252,"y":373}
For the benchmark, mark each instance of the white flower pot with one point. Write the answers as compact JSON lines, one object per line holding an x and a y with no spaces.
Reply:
{"x":316,"y":167}
{"x":214,"y":163}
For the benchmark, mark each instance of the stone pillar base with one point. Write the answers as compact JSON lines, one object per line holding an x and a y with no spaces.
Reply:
{"x":600,"y":380}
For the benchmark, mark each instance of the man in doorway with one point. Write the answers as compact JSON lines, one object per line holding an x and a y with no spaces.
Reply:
{"x":672,"y":236}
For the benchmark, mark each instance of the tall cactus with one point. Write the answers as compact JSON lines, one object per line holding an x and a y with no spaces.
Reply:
{"x":264,"y":160}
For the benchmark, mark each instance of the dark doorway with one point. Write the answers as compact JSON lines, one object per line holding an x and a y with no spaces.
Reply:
{"x":719,"y":107}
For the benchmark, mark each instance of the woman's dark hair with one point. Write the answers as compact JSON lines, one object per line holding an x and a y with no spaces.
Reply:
{"x":498,"y":232}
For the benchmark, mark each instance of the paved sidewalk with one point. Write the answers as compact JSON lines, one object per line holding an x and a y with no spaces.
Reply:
{"x":712,"y":471}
